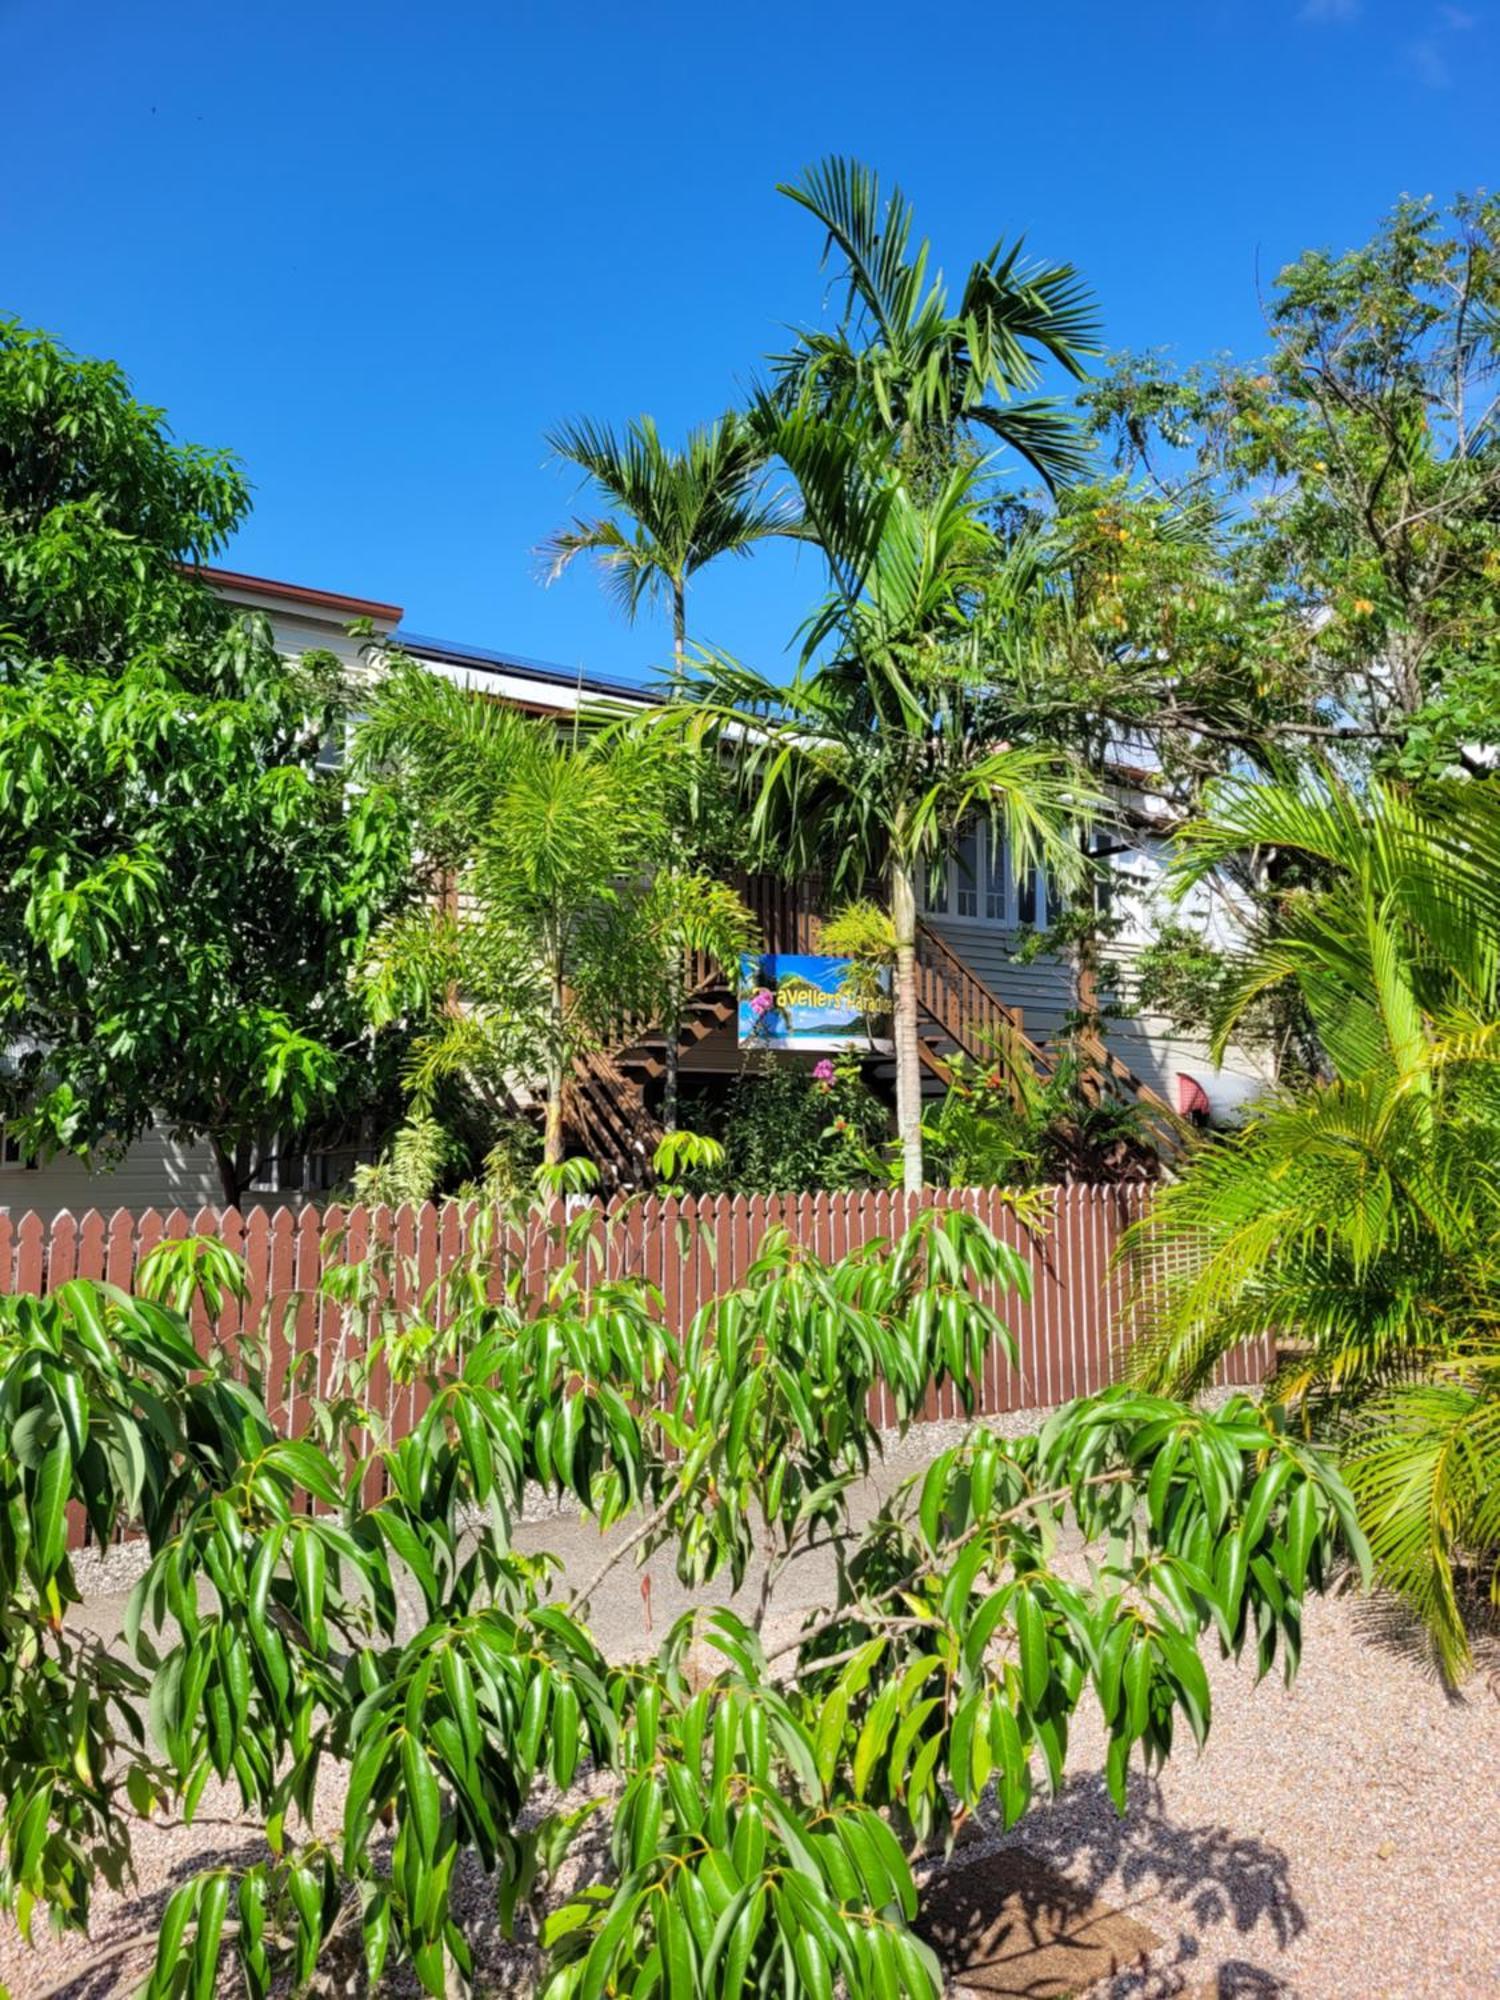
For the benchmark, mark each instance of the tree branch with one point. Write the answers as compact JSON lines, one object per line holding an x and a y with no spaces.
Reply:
{"x":930,"y":1563}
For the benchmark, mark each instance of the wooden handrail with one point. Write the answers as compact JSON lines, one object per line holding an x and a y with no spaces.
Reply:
{"x":981,"y":1005}
{"x":940,"y":974}
{"x":1167,"y":1123}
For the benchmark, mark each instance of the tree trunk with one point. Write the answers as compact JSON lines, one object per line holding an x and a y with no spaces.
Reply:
{"x":671,"y":1042}
{"x":671,"y":1034}
{"x":679,"y":632}
{"x":552,"y":1129}
{"x":556,"y":1073}
{"x":1086,"y":958}
{"x":228,"y":1167}
{"x":904,"y":1027}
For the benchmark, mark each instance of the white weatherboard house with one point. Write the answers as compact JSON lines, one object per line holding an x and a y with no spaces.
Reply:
{"x":970,"y":929}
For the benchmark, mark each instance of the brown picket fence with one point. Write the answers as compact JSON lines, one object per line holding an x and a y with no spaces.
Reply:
{"x":1070,"y":1335}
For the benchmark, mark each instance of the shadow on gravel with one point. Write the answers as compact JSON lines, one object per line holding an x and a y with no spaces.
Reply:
{"x":1215,"y":1877}
{"x":1213,"y":1873}
{"x":1384,"y":1622}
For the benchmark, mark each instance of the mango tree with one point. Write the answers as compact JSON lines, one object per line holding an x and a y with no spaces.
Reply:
{"x":341,"y":1614}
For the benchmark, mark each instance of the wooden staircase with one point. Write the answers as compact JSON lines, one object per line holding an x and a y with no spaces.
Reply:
{"x":606,"y":1104}
{"x":958,"y":1014}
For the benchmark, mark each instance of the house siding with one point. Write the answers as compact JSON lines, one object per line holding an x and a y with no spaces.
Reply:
{"x":1045,"y":991}
{"x":156,"y":1171}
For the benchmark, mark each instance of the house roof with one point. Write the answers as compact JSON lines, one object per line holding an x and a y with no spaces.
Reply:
{"x":571,"y":681}
{"x":515,"y":666}
{"x":298,"y":593}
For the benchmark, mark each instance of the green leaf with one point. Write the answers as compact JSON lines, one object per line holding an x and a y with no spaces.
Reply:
{"x":1031,"y":1638}
{"x":421,"y":1803}
{"x":212,"y":1906}
{"x":829,"y":1736}
{"x":677,"y":1950}
{"x":310,"y":1569}
{"x":49,"y":1509}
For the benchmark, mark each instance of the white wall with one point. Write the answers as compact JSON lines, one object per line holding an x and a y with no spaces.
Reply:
{"x":1044,"y":989}
{"x":156,"y":1172}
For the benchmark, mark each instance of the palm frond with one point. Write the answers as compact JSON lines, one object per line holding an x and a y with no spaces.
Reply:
{"x":872,"y":237}
{"x":1356,"y":1225}
{"x":678,"y":509}
{"x":918,"y":365}
{"x":1424,"y":1469}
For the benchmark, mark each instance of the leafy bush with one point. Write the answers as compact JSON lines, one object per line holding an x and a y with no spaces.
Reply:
{"x":787,"y":1130}
{"x":764,"y":1801}
{"x":999,"y":1124}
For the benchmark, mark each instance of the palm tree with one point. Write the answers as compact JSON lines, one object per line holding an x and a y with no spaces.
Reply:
{"x":682,"y":509}
{"x":924,"y":369}
{"x":1358,"y":1223}
{"x":868,"y":763}
{"x":564,"y":921}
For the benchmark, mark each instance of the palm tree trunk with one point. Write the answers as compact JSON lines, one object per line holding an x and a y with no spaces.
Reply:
{"x":552,"y":1129}
{"x":904,"y":1026}
{"x":679,"y":632}
{"x":671,"y":1035}
{"x":669,"y":1077}
{"x":672,"y":1026}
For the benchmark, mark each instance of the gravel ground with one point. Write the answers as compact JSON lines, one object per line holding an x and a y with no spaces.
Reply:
{"x":1337,"y":1840}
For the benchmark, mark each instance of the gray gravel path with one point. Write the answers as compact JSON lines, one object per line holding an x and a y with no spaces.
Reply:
{"x":1336,"y":1840}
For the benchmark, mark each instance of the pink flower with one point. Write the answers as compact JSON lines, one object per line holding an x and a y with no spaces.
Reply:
{"x":762,"y":1000}
{"x":823,"y":1071}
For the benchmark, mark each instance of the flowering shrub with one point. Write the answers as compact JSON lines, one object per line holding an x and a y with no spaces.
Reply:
{"x":786,"y":1129}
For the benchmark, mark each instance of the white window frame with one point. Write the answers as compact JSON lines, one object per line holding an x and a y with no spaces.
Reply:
{"x":987,"y":896}
{"x":13,"y":1158}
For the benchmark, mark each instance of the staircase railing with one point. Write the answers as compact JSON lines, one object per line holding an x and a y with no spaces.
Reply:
{"x":608,"y":1111}
{"x":977,"y":1021}
{"x":1169,"y":1131}
{"x":623,"y":1134}
{"x":608,"y":1108}
{"x":951,"y":994}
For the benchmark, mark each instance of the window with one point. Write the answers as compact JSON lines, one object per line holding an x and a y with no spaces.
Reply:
{"x":1039,"y":899}
{"x":12,"y":1153}
{"x":974,"y":882}
{"x":932,"y":889}
{"x":1117,"y":885}
{"x":333,"y":751}
{"x":995,"y":880}
{"x":966,"y":873}
{"x":980,"y":884}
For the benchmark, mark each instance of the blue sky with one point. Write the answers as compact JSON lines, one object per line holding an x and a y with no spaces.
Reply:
{"x":379,"y":249}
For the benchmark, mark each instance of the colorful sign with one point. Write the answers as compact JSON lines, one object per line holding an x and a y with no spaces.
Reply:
{"x":791,"y":1000}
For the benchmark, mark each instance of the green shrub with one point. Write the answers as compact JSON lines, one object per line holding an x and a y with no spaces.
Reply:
{"x":763,"y":1801}
{"x":786,"y":1130}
